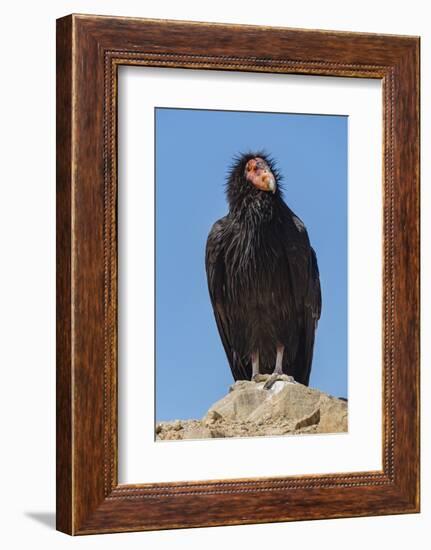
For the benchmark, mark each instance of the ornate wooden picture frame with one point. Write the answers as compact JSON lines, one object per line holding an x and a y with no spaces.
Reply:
{"x":89,"y":51}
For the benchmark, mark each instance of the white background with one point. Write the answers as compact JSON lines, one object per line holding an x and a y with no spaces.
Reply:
{"x":27,"y":214}
{"x":141,"y":459}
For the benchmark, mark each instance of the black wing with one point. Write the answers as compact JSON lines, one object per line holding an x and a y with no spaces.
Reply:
{"x":216,"y":277}
{"x":312,"y":310}
{"x":305,"y":287}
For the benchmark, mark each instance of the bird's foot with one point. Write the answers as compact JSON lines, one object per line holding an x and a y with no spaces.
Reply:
{"x":260,"y":377}
{"x":275,"y":377}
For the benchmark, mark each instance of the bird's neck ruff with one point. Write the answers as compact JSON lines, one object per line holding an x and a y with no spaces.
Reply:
{"x":255,"y":208}
{"x":254,"y":231}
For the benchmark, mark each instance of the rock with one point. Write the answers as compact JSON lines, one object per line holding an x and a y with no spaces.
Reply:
{"x":240,"y":403}
{"x":313,"y":418}
{"x":239,"y":385}
{"x":334,"y":417}
{"x":200,"y":432}
{"x":271,"y":405}
{"x":212,"y":417}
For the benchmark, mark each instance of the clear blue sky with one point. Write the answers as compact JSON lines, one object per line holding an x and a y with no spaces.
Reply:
{"x":193,"y":151}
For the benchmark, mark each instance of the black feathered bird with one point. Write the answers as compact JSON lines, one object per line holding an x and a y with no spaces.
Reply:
{"x":263,"y":277}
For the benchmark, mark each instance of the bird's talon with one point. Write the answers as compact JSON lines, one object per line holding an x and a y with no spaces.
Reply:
{"x":275,"y":377}
{"x":260,"y":377}
{"x":270,"y":382}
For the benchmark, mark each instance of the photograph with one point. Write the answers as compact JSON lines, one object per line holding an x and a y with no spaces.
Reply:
{"x":251,"y":238}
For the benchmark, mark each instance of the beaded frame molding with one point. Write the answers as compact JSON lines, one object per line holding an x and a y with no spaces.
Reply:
{"x":89,"y":51}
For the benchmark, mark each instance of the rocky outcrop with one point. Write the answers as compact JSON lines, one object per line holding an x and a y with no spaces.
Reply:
{"x":271,"y":405}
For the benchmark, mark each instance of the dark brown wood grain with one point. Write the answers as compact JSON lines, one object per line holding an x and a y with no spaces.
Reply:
{"x":89,"y":51}
{"x":64,"y":288}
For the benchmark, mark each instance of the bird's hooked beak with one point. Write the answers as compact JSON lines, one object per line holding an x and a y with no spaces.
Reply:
{"x":259,"y":174}
{"x":269,"y":181}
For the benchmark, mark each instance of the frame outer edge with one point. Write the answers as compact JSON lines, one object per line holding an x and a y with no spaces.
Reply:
{"x":407,"y":266}
{"x":81,"y":505}
{"x":64,"y":368}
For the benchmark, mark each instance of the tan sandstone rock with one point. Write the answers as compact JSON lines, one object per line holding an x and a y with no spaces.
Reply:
{"x":268,"y":406}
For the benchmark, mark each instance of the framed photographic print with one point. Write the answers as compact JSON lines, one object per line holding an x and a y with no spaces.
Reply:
{"x":237,"y":274}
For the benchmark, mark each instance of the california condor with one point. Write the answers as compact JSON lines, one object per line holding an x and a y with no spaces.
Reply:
{"x":263,"y":277}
